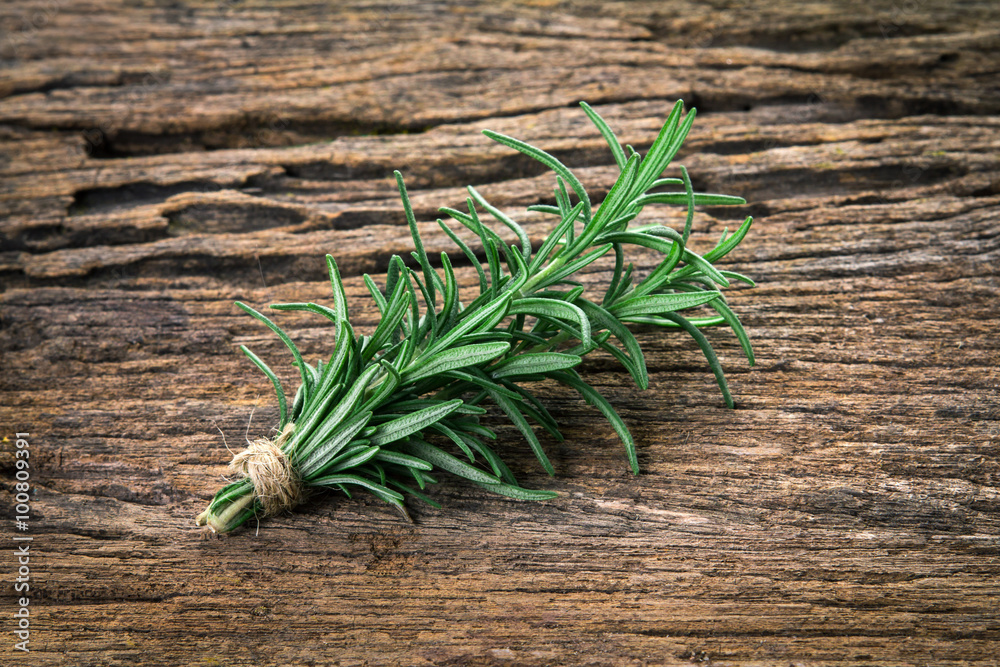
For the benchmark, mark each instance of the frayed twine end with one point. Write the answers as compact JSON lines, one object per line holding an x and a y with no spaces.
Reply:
{"x":277,"y":484}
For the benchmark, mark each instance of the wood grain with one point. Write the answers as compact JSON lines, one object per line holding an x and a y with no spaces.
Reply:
{"x":159,"y":160}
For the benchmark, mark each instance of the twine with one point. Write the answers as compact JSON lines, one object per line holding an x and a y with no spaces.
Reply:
{"x":276,"y":483}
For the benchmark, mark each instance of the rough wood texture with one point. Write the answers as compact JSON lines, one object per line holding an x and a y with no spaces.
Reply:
{"x":161,"y":159}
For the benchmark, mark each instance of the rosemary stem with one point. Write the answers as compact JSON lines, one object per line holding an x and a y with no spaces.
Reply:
{"x":231,"y":516}
{"x":533,"y":282}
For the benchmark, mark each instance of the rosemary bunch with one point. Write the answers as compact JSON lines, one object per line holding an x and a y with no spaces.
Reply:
{"x":389,"y":408}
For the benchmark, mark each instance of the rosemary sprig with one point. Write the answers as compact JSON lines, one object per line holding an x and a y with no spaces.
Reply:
{"x":390,"y":407}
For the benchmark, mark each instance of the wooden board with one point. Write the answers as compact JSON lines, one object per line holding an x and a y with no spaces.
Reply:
{"x":159,"y":160}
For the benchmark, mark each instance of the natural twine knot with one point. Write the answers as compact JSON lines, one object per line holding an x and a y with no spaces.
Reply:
{"x":276,"y":482}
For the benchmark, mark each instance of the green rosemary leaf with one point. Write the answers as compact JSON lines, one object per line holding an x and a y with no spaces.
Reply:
{"x":553,"y":308}
{"x":679,"y":135}
{"x":568,"y":269}
{"x":313,"y":374}
{"x":657,"y":321}
{"x":732,"y":275}
{"x":513,"y":412}
{"x":516,"y":492}
{"x":727,"y":244}
{"x":467,"y":251}
{"x":522,"y":236}
{"x":327,"y":447}
{"x":328,"y":313}
{"x":297,"y":403}
{"x":473,"y":426}
{"x":528,"y":337}
{"x":352,"y":459}
{"x":562,"y":197}
{"x":631,"y":365}
{"x":659,"y":230}
{"x":519,"y":271}
{"x":387,"y":387}
{"x":459,"y":441}
{"x":626,"y":282}
{"x":282,"y":403}
{"x":485,"y":319}
{"x":533,"y":364}
{"x":306,"y":379}
{"x":413,"y":405}
{"x":449,"y":311}
{"x":621,"y":222}
{"x":399,"y":428}
{"x":532,"y":407}
{"x":428,"y":323}
{"x":700,"y":199}
{"x":734,"y":323}
{"x":695,"y":264}
{"x":394,"y":272}
{"x":665,"y":240}
{"x":454,"y":358}
{"x":341,"y":368}
{"x":378,"y":489}
{"x":550,"y":162}
{"x":644,"y":238}
{"x":338,"y":368}
{"x":594,"y":397}
{"x":406,"y":351}
{"x":570,"y":295}
{"x":415,"y":494}
{"x":411,"y":221}
{"x":619,"y":195}
{"x":661,"y":182}
{"x":496,"y":272}
{"x":674,"y":250}
{"x":446,"y":461}
{"x":376,"y":294}
{"x":561,"y":230}
{"x":616,"y":275}
{"x":654,"y":163}
{"x":710,"y":356}
{"x":377,"y":467}
{"x":395,"y":309}
{"x":632,"y":358}
{"x":497,"y":465}
{"x":657,"y":304}
{"x":315,"y":411}
{"x":665,"y":147}
{"x":339,"y":296}
{"x":690,"y":201}
{"x":476,"y":377}
{"x":598,"y":341}
{"x":608,"y":134}
{"x":494,"y":336}
{"x":489,"y":239}
{"x":412,"y":328}
{"x":334,"y":386}
{"x":476,"y":225}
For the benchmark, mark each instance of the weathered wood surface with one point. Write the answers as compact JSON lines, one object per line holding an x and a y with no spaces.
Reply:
{"x":161,"y":159}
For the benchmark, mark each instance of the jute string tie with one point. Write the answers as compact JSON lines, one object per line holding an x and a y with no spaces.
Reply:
{"x":276,"y":482}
